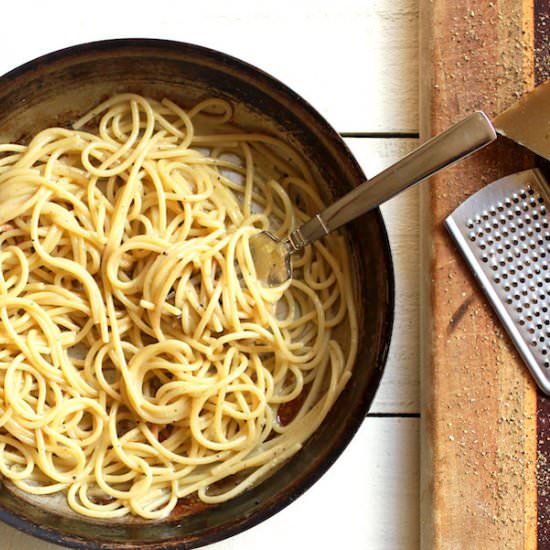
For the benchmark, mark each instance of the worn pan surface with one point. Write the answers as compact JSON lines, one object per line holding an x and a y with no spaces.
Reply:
{"x":53,"y":90}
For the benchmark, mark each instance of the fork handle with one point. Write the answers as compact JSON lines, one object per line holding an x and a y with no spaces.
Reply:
{"x":455,"y":143}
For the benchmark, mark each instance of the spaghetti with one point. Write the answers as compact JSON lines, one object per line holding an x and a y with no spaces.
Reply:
{"x":141,"y":361}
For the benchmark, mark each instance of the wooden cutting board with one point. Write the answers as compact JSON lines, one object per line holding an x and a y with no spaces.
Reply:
{"x":485,"y":462}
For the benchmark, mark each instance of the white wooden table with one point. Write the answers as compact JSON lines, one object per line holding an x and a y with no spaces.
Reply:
{"x":356,"y":61}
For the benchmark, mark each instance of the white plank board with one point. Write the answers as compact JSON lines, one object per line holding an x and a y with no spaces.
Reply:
{"x":356,"y":62}
{"x":400,"y":387}
{"x":367,"y":500}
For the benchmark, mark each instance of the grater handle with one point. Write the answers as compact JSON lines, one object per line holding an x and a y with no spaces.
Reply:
{"x":455,"y":143}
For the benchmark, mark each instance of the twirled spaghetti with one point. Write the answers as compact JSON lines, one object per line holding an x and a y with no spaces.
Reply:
{"x":140,"y":359}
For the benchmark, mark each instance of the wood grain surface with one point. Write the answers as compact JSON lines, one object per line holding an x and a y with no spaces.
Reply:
{"x":479,"y":403}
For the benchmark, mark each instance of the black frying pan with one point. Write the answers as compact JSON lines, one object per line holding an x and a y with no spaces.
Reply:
{"x":53,"y":90}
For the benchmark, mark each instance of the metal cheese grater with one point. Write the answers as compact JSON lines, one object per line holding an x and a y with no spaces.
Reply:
{"x":504,"y":233}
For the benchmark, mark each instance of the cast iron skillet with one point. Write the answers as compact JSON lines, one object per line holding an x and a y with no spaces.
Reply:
{"x":52,"y":90}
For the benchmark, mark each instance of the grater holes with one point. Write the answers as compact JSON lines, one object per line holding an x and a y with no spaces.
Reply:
{"x":512,"y":239}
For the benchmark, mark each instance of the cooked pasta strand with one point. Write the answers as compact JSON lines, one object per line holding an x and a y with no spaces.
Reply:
{"x":141,"y":360}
